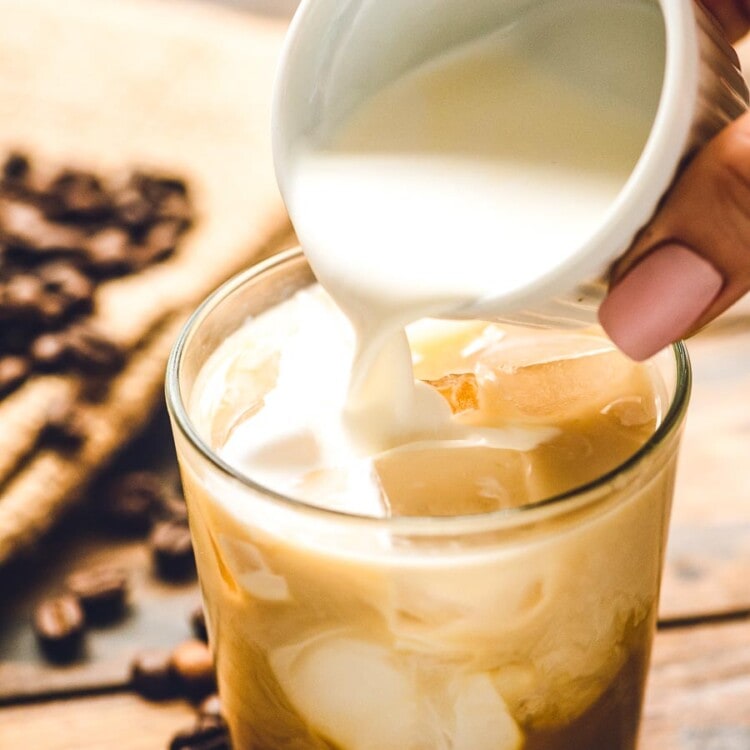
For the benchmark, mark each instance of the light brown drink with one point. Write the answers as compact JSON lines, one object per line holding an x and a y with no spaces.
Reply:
{"x":477,"y":615}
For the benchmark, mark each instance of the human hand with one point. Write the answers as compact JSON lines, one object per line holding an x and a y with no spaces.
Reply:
{"x":693,"y":260}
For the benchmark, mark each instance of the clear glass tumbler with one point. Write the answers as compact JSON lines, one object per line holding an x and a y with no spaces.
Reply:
{"x":520,"y":629}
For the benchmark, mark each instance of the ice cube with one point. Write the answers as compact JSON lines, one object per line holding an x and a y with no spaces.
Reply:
{"x":632,"y":411}
{"x":449,"y":478}
{"x":353,"y":693}
{"x":353,"y":489}
{"x":460,"y":391}
{"x":482,"y":718}
{"x":560,"y":381}
{"x":250,"y":570}
{"x":247,"y":381}
{"x":362,"y":696}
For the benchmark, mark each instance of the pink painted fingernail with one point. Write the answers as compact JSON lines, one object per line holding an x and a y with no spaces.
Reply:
{"x":659,"y":300}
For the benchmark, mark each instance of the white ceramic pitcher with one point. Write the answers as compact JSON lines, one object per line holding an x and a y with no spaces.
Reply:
{"x":339,"y":52}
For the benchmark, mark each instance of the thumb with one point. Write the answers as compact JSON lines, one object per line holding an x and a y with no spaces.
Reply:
{"x":693,"y":259}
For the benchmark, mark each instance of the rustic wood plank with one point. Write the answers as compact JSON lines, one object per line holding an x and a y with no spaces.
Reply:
{"x":121,"y":722}
{"x":699,"y":690}
{"x":698,"y":699}
{"x":709,"y":546}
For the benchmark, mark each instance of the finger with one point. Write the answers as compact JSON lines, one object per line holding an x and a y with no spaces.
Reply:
{"x":733,"y":15}
{"x":693,"y":259}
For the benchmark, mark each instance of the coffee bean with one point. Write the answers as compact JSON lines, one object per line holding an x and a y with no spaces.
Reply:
{"x":208,"y":733}
{"x":156,"y":188}
{"x":50,"y":351}
{"x":92,"y":352}
{"x":219,"y":742}
{"x":66,"y":427}
{"x":160,"y":242}
{"x":77,"y":195}
{"x":151,"y":675}
{"x":133,"y":501}
{"x":52,"y":309}
{"x":66,"y":282}
{"x":198,"y":623}
{"x":194,"y":667}
{"x":102,"y":592}
{"x":176,"y":206}
{"x":14,"y":369}
{"x":109,"y":252}
{"x":210,"y":706}
{"x":22,"y":223}
{"x":21,"y":297}
{"x":59,"y":625}
{"x":172,"y":550}
{"x":133,"y":210}
{"x":16,"y":167}
{"x":24,"y":297}
{"x":172,"y":507}
{"x":25,"y":228}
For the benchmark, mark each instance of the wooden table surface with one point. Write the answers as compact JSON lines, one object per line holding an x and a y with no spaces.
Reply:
{"x":699,"y":688}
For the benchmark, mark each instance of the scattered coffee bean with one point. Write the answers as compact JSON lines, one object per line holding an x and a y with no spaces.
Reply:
{"x":151,"y":675}
{"x":22,"y":223}
{"x":25,"y":228}
{"x":66,"y":427}
{"x":198,"y":623}
{"x":155,"y":188}
{"x":220,"y":742}
{"x":66,"y":282}
{"x":172,"y":550}
{"x":133,"y":210}
{"x":176,"y":206}
{"x":14,"y":369}
{"x":210,"y":706}
{"x":194,"y":666}
{"x":133,"y":501}
{"x":208,"y":733}
{"x":77,"y":195}
{"x":21,"y":298}
{"x":52,"y":309}
{"x":109,"y":252}
{"x":50,"y":351}
{"x":92,"y":352}
{"x":102,"y":591}
{"x":172,"y":507}
{"x":59,"y":625}
{"x":16,"y":167}
{"x":160,"y":242}
{"x":58,"y":239}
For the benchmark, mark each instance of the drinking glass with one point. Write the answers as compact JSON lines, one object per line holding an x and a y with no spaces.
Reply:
{"x":527,"y":627}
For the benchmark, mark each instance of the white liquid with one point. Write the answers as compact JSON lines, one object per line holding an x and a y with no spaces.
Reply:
{"x":304,"y":349}
{"x":469,"y":177}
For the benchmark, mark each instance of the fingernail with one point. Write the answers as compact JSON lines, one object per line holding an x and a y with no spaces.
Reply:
{"x":659,"y":300}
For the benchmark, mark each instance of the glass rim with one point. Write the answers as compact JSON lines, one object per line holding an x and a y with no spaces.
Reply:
{"x":180,"y":417}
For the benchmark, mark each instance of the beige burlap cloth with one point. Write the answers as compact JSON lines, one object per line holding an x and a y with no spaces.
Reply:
{"x":112,"y":85}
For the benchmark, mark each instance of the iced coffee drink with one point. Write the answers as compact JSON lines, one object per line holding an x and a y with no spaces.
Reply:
{"x":417,"y":534}
{"x":489,"y":582}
